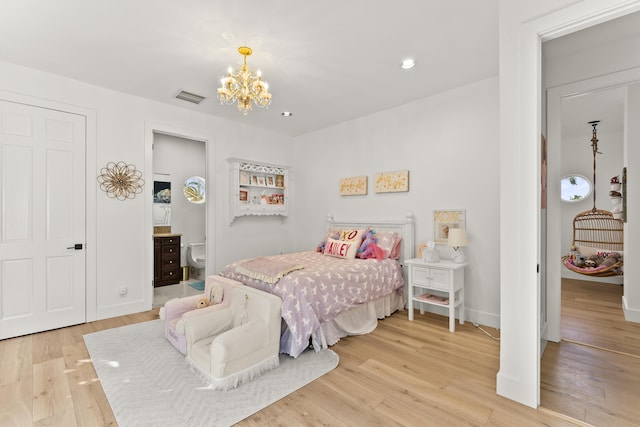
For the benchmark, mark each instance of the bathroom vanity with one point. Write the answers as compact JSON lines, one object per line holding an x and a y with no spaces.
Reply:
{"x":166,"y":259}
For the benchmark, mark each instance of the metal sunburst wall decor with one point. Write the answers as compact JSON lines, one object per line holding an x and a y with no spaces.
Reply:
{"x":120,"y":180}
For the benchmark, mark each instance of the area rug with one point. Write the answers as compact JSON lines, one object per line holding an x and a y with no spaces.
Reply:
{"x":199,"y":286}
{"x":147,"y":382}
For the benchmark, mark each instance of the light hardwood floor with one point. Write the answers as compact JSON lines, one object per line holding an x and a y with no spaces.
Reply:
{"x":404,"y":373}
{"x":593,"y":374}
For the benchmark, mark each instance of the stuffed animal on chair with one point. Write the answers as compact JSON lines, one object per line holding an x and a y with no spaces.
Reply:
{"x":202,"y":303}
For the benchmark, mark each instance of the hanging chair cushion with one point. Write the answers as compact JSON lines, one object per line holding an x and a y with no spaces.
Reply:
{"x":599,"y":270}
{"x":602,"y":270}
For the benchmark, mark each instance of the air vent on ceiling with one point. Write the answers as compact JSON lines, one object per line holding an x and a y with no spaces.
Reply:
{"x":190,"y":97}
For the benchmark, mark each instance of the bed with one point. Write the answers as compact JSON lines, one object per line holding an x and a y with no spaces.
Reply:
{"x":325,"y":297}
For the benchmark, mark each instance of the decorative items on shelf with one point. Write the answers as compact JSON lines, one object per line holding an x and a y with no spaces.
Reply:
{"x":120,"y":180}
{"x":616,"y":197}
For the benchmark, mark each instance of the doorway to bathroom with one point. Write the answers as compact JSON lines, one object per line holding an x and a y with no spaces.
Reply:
{"x":179,"y":216}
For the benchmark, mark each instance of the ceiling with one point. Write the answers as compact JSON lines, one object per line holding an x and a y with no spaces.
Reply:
{"x":606,"y":105}
{"x":326,"y":61}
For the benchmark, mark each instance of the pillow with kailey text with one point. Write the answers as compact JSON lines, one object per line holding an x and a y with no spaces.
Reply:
{"x":341,"y":248}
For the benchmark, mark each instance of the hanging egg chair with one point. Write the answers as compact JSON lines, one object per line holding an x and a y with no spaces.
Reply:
{"x":598,"y":237}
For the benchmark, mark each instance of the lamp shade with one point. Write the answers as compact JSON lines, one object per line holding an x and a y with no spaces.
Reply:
{"x":457,"y":237}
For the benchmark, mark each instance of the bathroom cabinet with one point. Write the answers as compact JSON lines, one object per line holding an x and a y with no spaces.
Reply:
{"x":256,"y":188}
{"x":166,"y":260}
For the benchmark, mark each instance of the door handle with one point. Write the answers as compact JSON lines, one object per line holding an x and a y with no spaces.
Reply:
{"x":77,"y":246}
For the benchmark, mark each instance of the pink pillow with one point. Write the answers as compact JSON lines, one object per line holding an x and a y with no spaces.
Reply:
{"x":341,"y":248}
{"x":389,"y":241}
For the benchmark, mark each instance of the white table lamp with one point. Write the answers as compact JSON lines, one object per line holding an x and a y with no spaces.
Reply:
{"x":457,"y":239}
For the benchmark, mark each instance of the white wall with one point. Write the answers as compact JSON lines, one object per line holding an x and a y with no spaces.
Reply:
{"x":182,"y":159}
{"x":631,"y":298}
{"x":448,"y":143}
{"x":122,"y":229}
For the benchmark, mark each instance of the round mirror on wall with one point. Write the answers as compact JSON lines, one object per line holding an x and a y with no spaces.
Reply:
{"x":575,"y":188}
{"x":194,"y":189}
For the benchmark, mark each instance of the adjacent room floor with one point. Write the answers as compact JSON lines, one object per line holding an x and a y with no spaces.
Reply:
{"x":592,"y":374}
{"x":163,"y":294}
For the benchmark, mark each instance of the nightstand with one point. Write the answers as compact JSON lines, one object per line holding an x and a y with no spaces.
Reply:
{"x":440,"y":284}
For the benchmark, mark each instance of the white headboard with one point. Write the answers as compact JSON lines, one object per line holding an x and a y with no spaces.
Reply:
{"x":404,"y":227}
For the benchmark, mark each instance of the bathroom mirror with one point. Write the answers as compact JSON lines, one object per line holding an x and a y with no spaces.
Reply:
{"x":575,"y":188}
{"x":194,"y":189}
{"x":161,"y":199}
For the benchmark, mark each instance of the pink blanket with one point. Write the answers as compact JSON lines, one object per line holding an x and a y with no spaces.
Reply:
{"x":267,"y":269}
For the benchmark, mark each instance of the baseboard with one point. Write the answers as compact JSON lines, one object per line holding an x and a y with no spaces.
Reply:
{"x":630,"y":314}
{"x":482,"y":318}
{"x":479,"y":317}
{"x":512,"y":388}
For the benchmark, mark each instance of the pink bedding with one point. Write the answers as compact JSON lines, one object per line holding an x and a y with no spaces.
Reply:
{"x":325,"y":287}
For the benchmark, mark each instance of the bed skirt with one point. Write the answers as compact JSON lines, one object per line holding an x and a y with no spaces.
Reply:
{"x":358,"y":320}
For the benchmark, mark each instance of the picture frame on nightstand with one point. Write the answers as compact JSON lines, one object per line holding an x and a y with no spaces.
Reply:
{"x":443,"y":220}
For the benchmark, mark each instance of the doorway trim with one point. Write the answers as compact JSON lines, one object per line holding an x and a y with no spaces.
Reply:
{"x":555,"y":96}
{"x":520,"y":129}
{"x":152,"y":128}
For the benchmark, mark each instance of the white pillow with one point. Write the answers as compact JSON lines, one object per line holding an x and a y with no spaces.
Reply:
{"x":346,"y":249}
{"x":588,"y":251}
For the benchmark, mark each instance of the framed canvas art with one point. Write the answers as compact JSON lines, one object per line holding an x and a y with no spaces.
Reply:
{"x":353,"y":186}
{"x":392,"y":182}
{"x":444,"y":220}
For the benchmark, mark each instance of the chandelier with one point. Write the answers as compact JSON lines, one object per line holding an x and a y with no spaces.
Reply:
{"x":244,"y":87}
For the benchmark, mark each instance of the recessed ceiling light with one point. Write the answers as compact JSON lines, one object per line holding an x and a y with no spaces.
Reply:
{"x":287,"y":114}
{"x":408,"y":63}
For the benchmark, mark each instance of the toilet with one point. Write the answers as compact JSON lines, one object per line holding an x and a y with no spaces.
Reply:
{"x":197,"y":255}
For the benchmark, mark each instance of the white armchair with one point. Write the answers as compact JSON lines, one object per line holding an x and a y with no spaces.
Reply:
{"x":239,"y":342}
{"x":175,"y":311}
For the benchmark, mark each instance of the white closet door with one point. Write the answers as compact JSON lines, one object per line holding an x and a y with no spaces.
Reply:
{"x":42,"y":229}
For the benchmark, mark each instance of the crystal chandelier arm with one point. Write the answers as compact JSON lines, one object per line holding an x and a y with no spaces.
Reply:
{"x":244,"y":87}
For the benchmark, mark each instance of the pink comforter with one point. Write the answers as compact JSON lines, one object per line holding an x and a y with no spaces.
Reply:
{"x":325,"y":287}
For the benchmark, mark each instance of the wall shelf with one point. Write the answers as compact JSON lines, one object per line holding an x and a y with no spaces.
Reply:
{"x":257,"y":188}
